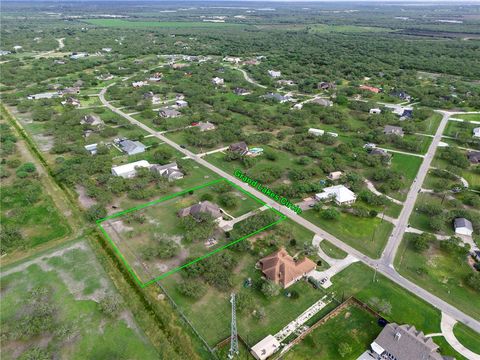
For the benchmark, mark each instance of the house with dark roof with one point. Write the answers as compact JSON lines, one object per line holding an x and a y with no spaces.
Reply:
{"x":474,"y":157}
{"x":380,"y":152}
{"x":402,"y":95}
{"x":130,"y":147}
{"x":169,"y":113}
{"x":91,"y":120}
{"x":204,"y":207}
{"x":241,"y":91}
{"x":239,"y":148}
{"x":278,"y":97}
{"x":393,"y":130}
{"x":463,"y":226}
{"x":283,"y":270}
{"x":169,"y":171}
{"x":326,"y":85}
{"x":404,"y":342}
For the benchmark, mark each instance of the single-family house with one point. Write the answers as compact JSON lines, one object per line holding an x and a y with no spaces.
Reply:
{"x":286,"y":82}
{"x":316,"y":132}
{"x":70,"y":90}
{"x":4,"y":52}
{"x":251,"y":62}
{"x":46,"y":95}
{"x":265,"y":348}
{"x":278,"y":97}
{"x":274,"y":74}
{"x":283,"y":270}
{"x":335,"y":175}
{"x":181,"y":103}
{"x":169,"y":171}
{"x":402,"y":95}
{"x":217,"y":81}
{"x":204,"y":207}
{"x":107,"y":49}
{"x":298,"y":106}
{"x":91,"y":148}
{"x":91,"y":120}
{"x":231,"y":59}
{"x":130,"y":147}
{"x":322,"y":102}
{"x":375,"y":111}
{"x":381,"y":153}
{"x":476,"y":132}
{"x":177,"y":66}
{"x":139,"y":84}
{"x":370,"y":88}
{"x":338,"y":193}
{"x":326,"y":85}
{"x":71,"y":101}
{"x":206,"y":126}
{"x":80,"y":55}
{"x":129,"y":170}
{"x":474,"y":157}
{"x":105,"y":77}
{"x":369,"y":146}
{"x":463,"y":226}
{"x":156,"y":77}
{"x":241,"y":91}
{"x":404,"y":342}
{"x":239,"y":148}
{"x":393,"y":130}
{"x":169,"y":113}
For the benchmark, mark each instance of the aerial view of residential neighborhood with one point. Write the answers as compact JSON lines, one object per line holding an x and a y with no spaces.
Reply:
{"x":240,"y":179}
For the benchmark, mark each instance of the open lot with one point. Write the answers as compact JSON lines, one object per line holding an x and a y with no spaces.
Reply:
{"x":62,"y":305}
{"x":139,"y":233}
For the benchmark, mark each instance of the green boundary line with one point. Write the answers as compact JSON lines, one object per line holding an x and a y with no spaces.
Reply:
{"x":132,"y":271}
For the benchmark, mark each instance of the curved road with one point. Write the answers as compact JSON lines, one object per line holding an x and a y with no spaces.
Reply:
{"x":383,"y":265}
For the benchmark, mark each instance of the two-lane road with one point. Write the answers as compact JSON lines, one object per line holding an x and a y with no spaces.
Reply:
{"x":376,"y":264}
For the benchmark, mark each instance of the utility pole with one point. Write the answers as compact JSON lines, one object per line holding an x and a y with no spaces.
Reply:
{"x":234,"y":336}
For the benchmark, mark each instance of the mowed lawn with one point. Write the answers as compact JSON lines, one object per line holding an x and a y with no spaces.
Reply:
{"x":69,"y":285}
{"x":368,"y":235}
{"x":353,"y":326}
{"x":211,"y":314}
{"x":408,"y":166}
{"x":127,"y":24}
{"x":467,"y":337}
{"x":443,"y":276}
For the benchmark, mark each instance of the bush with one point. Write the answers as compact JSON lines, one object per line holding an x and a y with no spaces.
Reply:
{"x":95,"y":212}
{"x":110,"y":305}
{"x":192,"y":288}
{"x":270,"y":289}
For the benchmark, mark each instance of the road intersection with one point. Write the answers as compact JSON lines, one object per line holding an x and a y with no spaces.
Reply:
{"x":384,"y":265}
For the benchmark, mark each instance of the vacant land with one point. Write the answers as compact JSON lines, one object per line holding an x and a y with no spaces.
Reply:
{"x":352,"y":326}
{"x":62,"y":305}
{"x":441,"y":272}
{"x":156,"y":241}
{"x":369,"y":235}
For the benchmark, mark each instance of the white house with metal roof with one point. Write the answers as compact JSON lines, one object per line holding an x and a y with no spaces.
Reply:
{"x":339,"y":193}
{"x":130,"y":170}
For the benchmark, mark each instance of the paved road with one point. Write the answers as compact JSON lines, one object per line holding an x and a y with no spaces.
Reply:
{"x":249,"y":79}
{"x":396,"y":236}
{"x":381,"y":265}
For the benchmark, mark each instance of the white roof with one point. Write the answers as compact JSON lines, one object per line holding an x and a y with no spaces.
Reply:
{"x":266,"y":347}
{"x":339,"y":192}
{"x":127,"y":168}
{"x":476,"y":131}
{"x":316,"y":131}
{"x":377,"y":348}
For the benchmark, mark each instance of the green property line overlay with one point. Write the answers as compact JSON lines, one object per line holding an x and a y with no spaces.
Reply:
{"x":132,"y":271}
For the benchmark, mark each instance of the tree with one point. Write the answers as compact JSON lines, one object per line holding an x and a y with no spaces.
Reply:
{"x":110,"y":305}
{"x":422,"y":242}
{"x":95,"y":212}
{"x":227,"y":200}
{"x":330,"y":214}
{"x":270,"y":289}
{"x":162,"y":155}
{"x":344,"y":349}
{"x":473,"y":280}
{"x":244,"y":301}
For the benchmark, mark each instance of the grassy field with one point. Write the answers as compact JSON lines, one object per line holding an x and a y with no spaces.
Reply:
{"x":432,"y":124}
{"x":369,"y":235}
{"x":408,"y":166}
{"x":127,"y":24}
{"x":332,"y":251}
{"x":53,"y":303}
{"x":160,"y":218}
{"x":467,"y":337}
{"x":353,"y":326}
{"x":469,"y":117}
{"x":443,"y":276}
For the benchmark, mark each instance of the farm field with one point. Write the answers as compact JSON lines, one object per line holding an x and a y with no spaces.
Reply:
{"x":63,"y":305}
{"x":127,"y":24}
